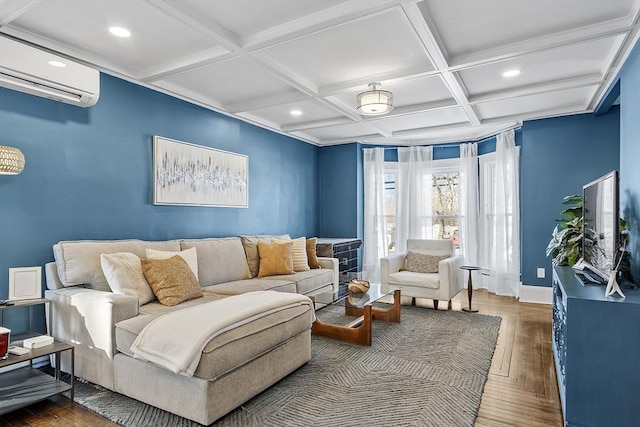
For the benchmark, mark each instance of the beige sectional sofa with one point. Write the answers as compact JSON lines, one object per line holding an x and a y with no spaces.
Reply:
{"x":234,"y":365}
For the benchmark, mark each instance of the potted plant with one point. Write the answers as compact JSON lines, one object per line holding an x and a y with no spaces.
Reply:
{"x":566,"y":243}
{"x":565,"y":246}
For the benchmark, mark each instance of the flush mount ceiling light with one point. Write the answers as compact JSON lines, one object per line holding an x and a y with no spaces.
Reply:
{"x":11,"y":160}
{"x":57,"y":64}
{"x":511,"y":73}
{"x":119,"y":31}
{"x":374,"y":101}
{"x":295,"y":112}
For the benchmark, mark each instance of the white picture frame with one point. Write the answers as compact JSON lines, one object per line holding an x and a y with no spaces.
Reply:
{"x":25,"y":283}
{"x":194,"y":175}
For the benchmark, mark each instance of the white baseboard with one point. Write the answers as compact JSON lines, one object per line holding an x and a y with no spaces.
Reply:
{"x":536,"y":294}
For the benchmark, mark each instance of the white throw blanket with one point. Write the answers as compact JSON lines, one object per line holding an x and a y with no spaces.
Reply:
{"x":175,"y":340}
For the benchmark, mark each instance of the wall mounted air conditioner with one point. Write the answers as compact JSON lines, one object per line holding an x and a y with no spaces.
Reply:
{"x":28,"y":69}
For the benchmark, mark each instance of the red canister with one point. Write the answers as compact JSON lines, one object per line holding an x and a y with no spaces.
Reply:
{"x":5,"y":335}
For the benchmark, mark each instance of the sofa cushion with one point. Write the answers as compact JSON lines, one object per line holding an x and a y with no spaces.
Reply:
{"x":312,"y":255}
{"x":410,"y":278}
{"x":275,"y":258}
{"x":124,"y":274}
{"x":78,"y":262}
{"x":250,"y":245}
{"x":220,"y":260}
{"x":250,"y":285}
{"x":189,"y":255}
{"x":422,"y":263}
{"x":307,"y":281}
{"x":236,"y":347}
{"x":299,"y":254}
{"x":171,"y":280}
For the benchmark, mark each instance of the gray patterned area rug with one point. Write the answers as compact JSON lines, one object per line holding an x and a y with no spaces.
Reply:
{"x":428,"y":370}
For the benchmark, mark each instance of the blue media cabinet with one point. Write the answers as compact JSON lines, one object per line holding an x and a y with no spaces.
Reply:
{"x":596,"y":347}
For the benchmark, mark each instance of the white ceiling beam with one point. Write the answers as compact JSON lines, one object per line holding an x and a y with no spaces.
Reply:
{"x":269,"y":101}
{"x":566,"y":38}
{"x":184,"y":64}
{"x":335,"y":121}
{"x":342,"y":13}
{"x":437,"y":55}
{"x":411,"y":133}
{"x":614,"y":67}
{"x":386,"y":78}
{"x":415,"y":108}
{"x":184,"y":93}
{"x":12,"y":9}
{"x":336,"y":141}
{"x":556,"y":85}
{"x":199,"y":22}
{"x":565,"y":110}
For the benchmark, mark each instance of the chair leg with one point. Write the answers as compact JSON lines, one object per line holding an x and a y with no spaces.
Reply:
{"x":413,"y":300}
{"x":435,"y":304}
{"x":449,"y":305}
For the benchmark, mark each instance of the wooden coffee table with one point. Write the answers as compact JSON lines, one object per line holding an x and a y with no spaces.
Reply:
{"x":357,"y":331}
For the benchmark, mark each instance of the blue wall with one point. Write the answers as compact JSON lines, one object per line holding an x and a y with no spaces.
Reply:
{"x":558,"y":156}
{"x":630,"y":153}
{"x":88,"y":174}
{"x":341,"y":191}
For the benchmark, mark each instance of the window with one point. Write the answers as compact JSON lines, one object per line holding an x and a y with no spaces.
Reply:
{"x":487,"y":214}
{"x":445,"y":217}
{"x":390,"y":204}
{"x":490,"y":218}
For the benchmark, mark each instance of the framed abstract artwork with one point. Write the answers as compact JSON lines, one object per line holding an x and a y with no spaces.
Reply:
{"x":195,"y":175}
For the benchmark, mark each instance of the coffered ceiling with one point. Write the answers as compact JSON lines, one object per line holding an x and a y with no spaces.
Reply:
{"x":259,"y":60}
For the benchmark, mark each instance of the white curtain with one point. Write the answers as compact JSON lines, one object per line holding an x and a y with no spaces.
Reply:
{"x":375,"y":235}
{"x":505,"y":235}
{"x":469,"y":207}
{"x":414,"y":186}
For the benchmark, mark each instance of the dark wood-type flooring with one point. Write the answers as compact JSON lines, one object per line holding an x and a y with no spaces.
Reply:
{"x":521,"y":389}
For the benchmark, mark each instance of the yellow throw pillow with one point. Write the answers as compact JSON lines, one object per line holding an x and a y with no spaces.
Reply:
{"x":275,"y":258}
{"x":299,"y":255}
{"x":312,"y":256}
{"x":250,"y":244}
{"x":171,"y":280}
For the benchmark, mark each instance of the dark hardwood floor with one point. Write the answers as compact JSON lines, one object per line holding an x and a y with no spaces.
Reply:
{"x":521,"y":389}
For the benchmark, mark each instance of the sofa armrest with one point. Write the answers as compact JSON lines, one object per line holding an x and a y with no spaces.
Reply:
{"x":450,"y":274}
{"x":389,"y":265}
{"x":332,"y":264}
{"x":86,"y":318}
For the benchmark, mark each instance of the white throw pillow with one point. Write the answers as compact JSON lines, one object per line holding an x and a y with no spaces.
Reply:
{"x":123,"y":271}
{"x":300,"y":260}
{"x":189,"y":255}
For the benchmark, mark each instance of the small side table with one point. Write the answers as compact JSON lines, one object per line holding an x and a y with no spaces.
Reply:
{"x":470,"y":269}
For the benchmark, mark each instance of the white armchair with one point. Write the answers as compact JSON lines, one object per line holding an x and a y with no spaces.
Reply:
{"x":443,"y":285}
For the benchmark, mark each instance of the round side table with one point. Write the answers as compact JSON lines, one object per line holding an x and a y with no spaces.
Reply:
{"x":470,"y":269}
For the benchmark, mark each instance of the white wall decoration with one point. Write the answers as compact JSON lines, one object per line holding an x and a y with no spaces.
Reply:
{"x":25,"y":283}
{"x":194,"y":175}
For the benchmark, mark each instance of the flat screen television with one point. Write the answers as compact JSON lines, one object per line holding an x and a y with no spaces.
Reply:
{"x":601,"y":222}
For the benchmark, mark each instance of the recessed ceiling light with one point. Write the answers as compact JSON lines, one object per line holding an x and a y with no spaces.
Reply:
{"x":511,"y":73}
{"x":295,"y":112}
{"x":119,"y":31}
{"x":57,"y":64}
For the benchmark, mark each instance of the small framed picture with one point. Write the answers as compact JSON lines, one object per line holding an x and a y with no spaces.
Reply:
{"x":25,"y":283}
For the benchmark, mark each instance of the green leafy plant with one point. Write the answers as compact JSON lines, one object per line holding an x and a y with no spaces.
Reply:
{"x":565,"y":246}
